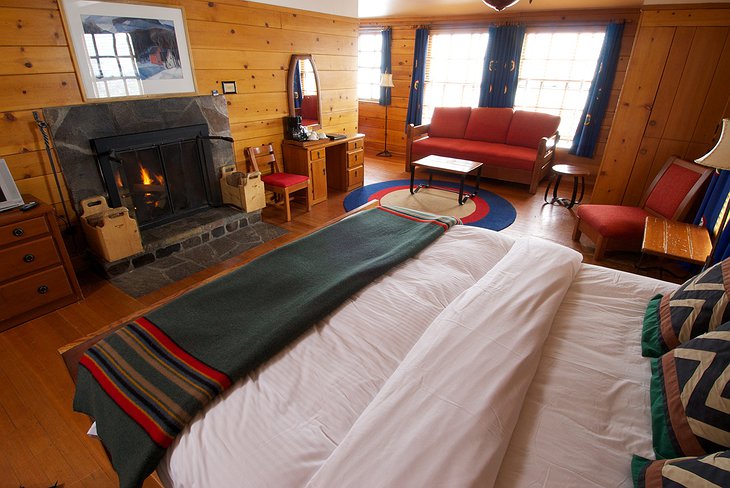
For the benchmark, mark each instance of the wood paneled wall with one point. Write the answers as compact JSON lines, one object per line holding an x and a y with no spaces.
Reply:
{"x":230,"y":40}
{"x":372,"y":115}
{"x":675,"y":96}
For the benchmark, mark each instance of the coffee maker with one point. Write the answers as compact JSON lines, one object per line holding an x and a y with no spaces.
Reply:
{"x":293,"y":128}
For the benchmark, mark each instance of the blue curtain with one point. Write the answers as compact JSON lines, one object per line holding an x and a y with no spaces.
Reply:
{"x":711,"y":210}
{"x":501,"y":66}
{"x":415,"y":98}
{"x":297,"y":87}
{"x":385,"y":66}
{"x":586,"y":134}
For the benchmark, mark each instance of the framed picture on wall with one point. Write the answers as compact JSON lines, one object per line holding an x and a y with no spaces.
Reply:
{"x":128,"y":50}
{"x":9,"y":194}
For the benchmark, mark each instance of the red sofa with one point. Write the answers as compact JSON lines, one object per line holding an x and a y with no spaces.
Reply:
{"x":514,"y":145}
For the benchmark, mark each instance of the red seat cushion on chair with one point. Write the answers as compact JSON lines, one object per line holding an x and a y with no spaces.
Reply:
{"x":283,"y":180}
{"x":614,"y":221}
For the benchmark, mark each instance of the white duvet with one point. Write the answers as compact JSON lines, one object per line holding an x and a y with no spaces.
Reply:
{"x":437,"y":375}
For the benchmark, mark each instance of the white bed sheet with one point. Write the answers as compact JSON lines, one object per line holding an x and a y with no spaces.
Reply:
{"x":587,"y":410}
{"x":276,"y":428}
{"x":584,"y":414}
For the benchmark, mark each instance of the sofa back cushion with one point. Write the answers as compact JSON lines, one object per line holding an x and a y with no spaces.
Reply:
{"x":449,"y":122}
{"x":527,"y":128}
{"x":489,"y":124}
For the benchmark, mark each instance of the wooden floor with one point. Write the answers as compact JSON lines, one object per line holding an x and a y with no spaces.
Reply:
{"x":42,"y":441}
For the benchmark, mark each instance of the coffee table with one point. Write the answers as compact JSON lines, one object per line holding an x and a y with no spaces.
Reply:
{"x":440,"y":164}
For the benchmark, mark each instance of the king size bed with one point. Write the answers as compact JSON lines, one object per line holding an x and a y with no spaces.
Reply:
{"x":480,"y":360}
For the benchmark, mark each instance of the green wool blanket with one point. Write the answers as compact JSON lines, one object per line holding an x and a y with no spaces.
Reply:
{"x":144,"y":383}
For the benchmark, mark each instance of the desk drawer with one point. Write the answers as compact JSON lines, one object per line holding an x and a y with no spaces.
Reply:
{"x":355,"y":145}
{"x":28,"y":257}
{"x":355,"y":158}
{"x":23,"y":230}
{"x":355,"y":177}
{"x":34,"y":291}
{"x":315,"y":154}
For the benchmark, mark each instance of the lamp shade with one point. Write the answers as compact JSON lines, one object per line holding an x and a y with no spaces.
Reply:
{"x":386,"y":80}
{"x":499,"y":5}
{"x":719,"y":156}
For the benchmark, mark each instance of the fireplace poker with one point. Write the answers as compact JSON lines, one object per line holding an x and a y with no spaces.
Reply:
{"x":43,"y":126}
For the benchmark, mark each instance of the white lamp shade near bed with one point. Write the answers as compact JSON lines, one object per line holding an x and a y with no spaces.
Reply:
{"x":719,"y":156}
{"x":386,"y":80}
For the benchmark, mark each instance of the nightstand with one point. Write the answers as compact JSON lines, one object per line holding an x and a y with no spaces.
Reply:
{"x":676,"y":240}
{"x":36,"y":276}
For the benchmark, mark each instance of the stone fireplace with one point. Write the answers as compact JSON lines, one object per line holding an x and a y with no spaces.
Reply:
{"x":161,"y":159}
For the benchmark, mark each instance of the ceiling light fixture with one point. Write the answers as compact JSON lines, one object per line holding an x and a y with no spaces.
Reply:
{"x":499,"y":5}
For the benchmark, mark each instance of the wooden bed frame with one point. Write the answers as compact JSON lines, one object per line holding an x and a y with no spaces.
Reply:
{"x":71,"y":353}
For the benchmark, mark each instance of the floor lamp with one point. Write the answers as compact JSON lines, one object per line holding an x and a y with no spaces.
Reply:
{"x":719,"y":158}
{"x":386,"y":81}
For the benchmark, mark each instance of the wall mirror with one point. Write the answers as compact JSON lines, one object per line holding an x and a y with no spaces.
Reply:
{"x":304,"y":90}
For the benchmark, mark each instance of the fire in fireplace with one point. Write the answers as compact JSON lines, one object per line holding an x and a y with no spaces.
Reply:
{"x":160,"y":176}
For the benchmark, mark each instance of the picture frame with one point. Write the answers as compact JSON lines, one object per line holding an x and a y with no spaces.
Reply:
{"x":9,"y":194}
{"x":228,"y":87}
{"x":125,"y":50}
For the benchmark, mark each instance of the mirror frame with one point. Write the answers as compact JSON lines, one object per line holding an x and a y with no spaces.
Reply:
{"x":295,"y":58}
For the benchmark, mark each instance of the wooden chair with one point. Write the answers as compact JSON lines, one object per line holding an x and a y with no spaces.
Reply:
{"x":282,"y":184}
{"x":621,"y":227}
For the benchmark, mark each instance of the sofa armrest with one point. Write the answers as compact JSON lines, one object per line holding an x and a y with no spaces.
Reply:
{"x":414,"y":133}
{"x":545,"y":159}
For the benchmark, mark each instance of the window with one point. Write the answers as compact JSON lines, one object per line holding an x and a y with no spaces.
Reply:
{"x":556,"y":70}
{"x":115,"y":69}
{"x":306,"y":73}
{"x":369,"y":49}
{"x":454,"y":65}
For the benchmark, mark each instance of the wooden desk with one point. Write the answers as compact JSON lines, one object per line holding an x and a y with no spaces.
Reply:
{"x":676,"y":240}
{"x":337,"y":164}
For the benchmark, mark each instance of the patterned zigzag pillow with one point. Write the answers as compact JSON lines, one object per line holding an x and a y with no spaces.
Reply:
{"x":690,"y":397}
{"x":707,"y":471}
{"x":698,"y":306}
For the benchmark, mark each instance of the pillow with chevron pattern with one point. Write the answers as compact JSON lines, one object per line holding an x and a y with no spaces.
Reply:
{"x":690,"y":397}
{"x":698,"y":306}
{"x":701,"y":471}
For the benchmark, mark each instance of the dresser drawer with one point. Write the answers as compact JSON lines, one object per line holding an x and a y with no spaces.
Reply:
{"x":23,"y":230}
{"x":355,"y":145}
{"x":355,"y":158}
{"x":28,"y":257}
{"x":355,"y":177}
{"x":34,"y":291}
{"x":316,"y":154}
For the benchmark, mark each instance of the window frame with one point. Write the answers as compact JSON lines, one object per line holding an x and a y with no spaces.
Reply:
{"x":475,"y":83}
{"x":369,"y":31}
{"x":566,"y":134}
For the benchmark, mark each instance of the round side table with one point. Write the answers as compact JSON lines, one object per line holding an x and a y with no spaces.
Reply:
{"x":560,"y":170}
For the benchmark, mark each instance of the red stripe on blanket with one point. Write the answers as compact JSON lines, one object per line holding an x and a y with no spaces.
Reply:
{"x":415,"y":219}
{"x":153,"y":429}
{"x":214,"y":375}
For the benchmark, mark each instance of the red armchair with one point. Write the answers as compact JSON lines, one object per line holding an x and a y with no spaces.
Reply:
{"x":618,"y":227}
